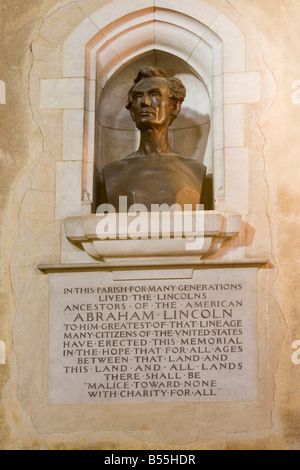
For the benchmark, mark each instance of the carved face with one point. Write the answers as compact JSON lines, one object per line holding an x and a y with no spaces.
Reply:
{"x":151,"y":105}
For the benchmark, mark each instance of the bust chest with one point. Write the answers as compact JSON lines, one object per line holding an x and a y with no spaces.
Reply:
{"x":154,"y":180}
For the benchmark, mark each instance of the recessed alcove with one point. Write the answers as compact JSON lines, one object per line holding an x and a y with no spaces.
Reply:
{"x":173,"y":40}
{"x":116,"y":135}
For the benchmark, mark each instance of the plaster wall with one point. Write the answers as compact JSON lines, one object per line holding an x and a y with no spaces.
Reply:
{"x":39,"y":174}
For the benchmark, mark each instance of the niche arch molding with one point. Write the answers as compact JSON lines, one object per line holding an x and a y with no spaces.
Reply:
{"x":158,"y":30}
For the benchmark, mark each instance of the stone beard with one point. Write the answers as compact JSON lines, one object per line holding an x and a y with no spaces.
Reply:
{"x":154,"y":174}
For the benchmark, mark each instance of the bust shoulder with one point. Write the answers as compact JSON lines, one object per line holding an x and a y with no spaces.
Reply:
{"x":117,"y":165}
{"x":193,"y":165}
{"x":114,"y":166}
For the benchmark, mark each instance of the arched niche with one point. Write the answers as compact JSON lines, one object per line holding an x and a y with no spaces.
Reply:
{"x":115,"y":133}
{"x":119,"y":33}
{"x":175,"y":40}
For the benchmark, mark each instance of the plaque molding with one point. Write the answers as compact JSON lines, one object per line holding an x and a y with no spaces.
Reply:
{"x":172,"y":263}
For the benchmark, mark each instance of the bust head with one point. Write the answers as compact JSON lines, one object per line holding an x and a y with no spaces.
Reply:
{"x":155,"y":99}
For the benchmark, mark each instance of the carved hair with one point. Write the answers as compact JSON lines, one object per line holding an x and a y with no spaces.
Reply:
{"x":177,"y":89}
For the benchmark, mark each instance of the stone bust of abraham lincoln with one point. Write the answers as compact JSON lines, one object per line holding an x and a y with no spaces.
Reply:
{"x":154,"y":174}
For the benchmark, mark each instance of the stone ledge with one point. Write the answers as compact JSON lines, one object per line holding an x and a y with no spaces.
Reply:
{"x":172,"y":263}
{"x":172,"y":237}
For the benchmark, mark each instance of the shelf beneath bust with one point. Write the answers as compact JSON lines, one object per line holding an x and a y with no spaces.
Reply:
{"x":156,"y":237}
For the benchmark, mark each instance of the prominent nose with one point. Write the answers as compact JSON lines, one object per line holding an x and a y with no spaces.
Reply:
{"x":146,"y":101}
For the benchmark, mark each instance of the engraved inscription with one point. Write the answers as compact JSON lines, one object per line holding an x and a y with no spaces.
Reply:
{"x":170,"y":340}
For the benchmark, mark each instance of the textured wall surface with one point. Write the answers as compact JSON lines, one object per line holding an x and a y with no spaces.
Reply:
{"x":31,"y":152}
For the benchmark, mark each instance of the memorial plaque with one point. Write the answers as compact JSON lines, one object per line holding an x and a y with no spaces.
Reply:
{"x":166,"y":340}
